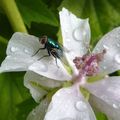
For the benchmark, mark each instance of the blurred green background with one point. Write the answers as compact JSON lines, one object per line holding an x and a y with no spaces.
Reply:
{"x":40,"y":17}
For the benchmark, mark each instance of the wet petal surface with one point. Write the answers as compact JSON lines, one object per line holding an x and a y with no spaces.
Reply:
{"x":69,"y":104}
{"x":38,"y":84}
{"x":47,"y":67}
{"x":75,"y":33}
{"x":106,"y":96}
{"x":20,"y":49}
{"x":110,"y":42}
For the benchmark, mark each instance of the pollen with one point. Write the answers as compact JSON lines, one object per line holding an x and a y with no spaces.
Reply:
{"x":88,"y":64}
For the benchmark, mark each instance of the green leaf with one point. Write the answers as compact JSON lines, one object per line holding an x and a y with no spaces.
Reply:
{"x":5,"y":28}
{"x":43,"y":29}
{"x":12,"y":93}
{"x":103,"y":15}
{"x":25,"y":108}
{"x":36,"y":11}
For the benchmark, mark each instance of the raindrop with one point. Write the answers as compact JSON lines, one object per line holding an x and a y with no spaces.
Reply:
{"x":13,"y":49}
{"x":34,"y":112}
{"x":66,"y":31}
{"x":80,"y":106}
{"x":26,"y":51}
{"x":115,"y":106}
{"x":118,"y":45}
{"x":105,"y":47}
{"x":117,"y":59}
{"x":79,"y":35}
{"x":104,"y":67}
{"x":43,"y":67}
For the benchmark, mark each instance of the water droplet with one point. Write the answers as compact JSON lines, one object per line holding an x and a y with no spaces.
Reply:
{"x":34,"y":112}
{"x":117,"y":59}
{"x":104,"y":67}
{"x":43,"y":67}
{"x":66,"y":31}
{"x":79,"y":35}
{"x":80,"y":106}
{"x":13,"y":49}
{"x":118,"y":45}
{"x":105,"y":47}
{"x":26,"y":51}
{"x":115,"y":106}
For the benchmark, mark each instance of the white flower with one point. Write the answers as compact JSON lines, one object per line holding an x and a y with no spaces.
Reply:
{"x":67,"y":103}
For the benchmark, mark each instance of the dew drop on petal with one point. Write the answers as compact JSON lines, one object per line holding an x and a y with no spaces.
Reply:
{"x":43,"y":68}
{"x":117,"y":59}
{"x":104,"y":67}
{"x":13,"y":49}
{"x":105,"y":47}
{"x":26,"y":51}
{"x":34,"y":112}
{"x":66,"y":31}
{"x":115,"y":106}
{"x":79,"y":35}
{"x":118,"y":45}
{"x":80,"y":106}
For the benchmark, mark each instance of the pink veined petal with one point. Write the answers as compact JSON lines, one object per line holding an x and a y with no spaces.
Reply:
{"x":106,"y":96}
{"x":35,"y":83}
{"x":75,"y":33}
{"x":110,"y":42}
{"x":69,"y":104}
{"x":19,"y":52}
{"x":47,"y":67}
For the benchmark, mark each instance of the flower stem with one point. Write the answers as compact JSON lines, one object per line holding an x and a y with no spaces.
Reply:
{"x":13,"y":14}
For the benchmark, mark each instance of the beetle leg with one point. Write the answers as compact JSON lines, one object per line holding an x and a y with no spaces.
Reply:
{"x":43,"y":57}
{"x":38,"y":51}
{"x":53,"y":51}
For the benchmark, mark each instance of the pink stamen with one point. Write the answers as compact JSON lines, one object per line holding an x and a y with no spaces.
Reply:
{"x":88,"y":63}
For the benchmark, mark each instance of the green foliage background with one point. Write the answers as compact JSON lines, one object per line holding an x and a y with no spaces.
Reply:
{"x":40,"y":17}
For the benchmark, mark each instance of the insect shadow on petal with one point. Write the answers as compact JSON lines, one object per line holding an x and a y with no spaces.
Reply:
{"x":53,"y":48}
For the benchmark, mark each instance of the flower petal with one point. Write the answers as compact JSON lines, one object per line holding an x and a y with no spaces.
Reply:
{"x":20,"y":48}
{"x":106,"y":96}
{"x":69,"y":104}
{"x":110,"y":42}
{"x":36,"y":91}
{"x":39,"y":112}
{"x":76,"y":34}
{"x":47,"y":67}
{"x":40,"y":80}
{"x":38,"y":85}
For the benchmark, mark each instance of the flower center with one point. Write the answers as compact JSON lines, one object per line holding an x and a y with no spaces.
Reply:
{"x":88,"y":63}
